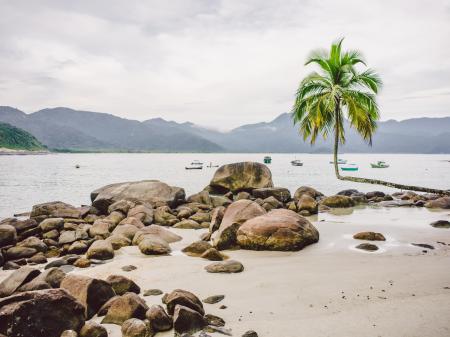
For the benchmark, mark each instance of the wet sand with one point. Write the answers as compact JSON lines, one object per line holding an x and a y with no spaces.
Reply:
{"x":327,"y":289}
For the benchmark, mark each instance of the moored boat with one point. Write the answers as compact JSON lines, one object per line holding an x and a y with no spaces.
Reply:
{"x":267,"y":159}
{"x":195,"y":165}
{"x":339,"y":162}
{"x":350,"y":167}
{"x":379,"y":164}
{"x":296,"y":162}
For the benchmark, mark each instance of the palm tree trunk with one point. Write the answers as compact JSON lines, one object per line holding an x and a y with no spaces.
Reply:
{"x":375,"y":181}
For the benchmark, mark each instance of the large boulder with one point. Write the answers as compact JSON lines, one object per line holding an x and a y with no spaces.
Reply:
{"x":8,"y":235}
{"x":154,"y":245}
{"x":100,"y":250}
{"x":307,"y":205}
{"x":55,"y":209}
{"x":125,"y":307}
{"x":153,"y":192}
{"x":185,"y":298}
{"x":338,"y":201}
{"x":93,"y":329}
{"x":92,"y":293}
{"x":186,"y":320}
{"x":280,"y":193}
{"x":443,"y":202}
{"x":159,"y":319}
{"x":235,"y":215}
{"x":134,"y":327}
{"x":306,"y":190}
{"x":243,"y":176}
{"x":122,"y":284}
{"x":156,"y":230}
{"x":16,"y":279}
{"x":43,"y":313}
{"x":50,"y":278}
{"x":280,"y":229}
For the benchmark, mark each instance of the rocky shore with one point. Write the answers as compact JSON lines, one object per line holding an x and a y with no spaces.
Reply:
{"x":47,"y":291}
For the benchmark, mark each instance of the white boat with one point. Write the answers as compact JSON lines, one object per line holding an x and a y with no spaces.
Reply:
{"x":339,"y":162}
{"x":211,"y":165}
{"x":296,"y":162}
{"x":195,"y":165}
{"x":350,"y":167}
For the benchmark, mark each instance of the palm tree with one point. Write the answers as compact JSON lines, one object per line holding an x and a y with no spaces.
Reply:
{"x":324,"y":100}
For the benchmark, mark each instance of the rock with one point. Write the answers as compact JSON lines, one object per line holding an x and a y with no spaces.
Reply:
{"x":443,"y":202}
{"x":370,"y":236}
{"x":280,"y":193}
{"x":186,"y":320}
{"x":100,"y":250}
{"x":271,"y":203}
{"x":38,"y":258}
{"x":200,"y":217}
{"x":121,"y":206}
{"x":43,"y":313}
{"x":440,"y":224}
{"x":143,"y":213}
{"x":154,"y":245}
{"x":184,"y":212}
{"x":306,"y":190}
{"x":213,"y":254}
{"x":202,"y":197}
{"x":115,"y":218}
{"x":134,"y":327}
{"x":235,"y":215}
{"x":307,"y":203}
{"x":51,"y":223}
{"x":216,"y":218}
{"x":156,"y":230}
{"x":55,"y":209}
{"x":125,"y":307}
{"x":220,"y":201}
{"x":16,"y":279}
{"x":92,"y":293}
{"x":348,"y":192}
{"x":56,"y":263}
{"x":67,"y":237}
{"x":164,"y":217}
{"x":69,"y":333}
{"x":129,"y":268}
{"x":375,"y":194}
{"x":229,"y":266}
{"x":244,"y":176}
{"x":126,"y":230}
{"x":11,"y":265}
{"x":118,"y":241}
{"x":197,"y":248}
{"x":367,"y":246}
{"x":158,"y":318}
{"x":338,"y":201}
{"x":214,"y":320}
{"x":153,"y":292}
{"x":184,"y":298}
{"x":8,"y":235}
{"x":250,"y":333}
{"x":132,"y":221}
{"x":15,"y":253}
{"x":50,"y":278}
{"x":396,"y":203}
{"x":214,"y":299}
{"x":78,"y":247}
{"x":242,"y":195}
{"x":93,"y":329}
{"x":82,"y":263}
{"x":146,"y":191}
{"x":33,"y":242}
{"x":100,"y":228}
{"x":187,"y":224}
{"x":122,"y":284}
{"x":279,"y":229}
{"x":423,"y":245}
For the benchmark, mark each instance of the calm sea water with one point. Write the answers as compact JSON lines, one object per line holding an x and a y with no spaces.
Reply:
{"x":28,"y":180}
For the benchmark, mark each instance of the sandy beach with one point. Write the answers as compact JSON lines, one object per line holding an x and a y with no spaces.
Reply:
{"x":326,"y":289}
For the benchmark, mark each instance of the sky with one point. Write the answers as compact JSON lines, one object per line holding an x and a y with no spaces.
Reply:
{"x":215,"y":63}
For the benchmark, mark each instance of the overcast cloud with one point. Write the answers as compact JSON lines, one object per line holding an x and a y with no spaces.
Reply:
{"x":216,"y":63}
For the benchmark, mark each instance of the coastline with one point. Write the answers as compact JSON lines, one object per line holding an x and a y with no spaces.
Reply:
{"x":12,"y":152}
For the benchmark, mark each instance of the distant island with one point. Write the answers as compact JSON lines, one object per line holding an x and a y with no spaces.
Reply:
{"x":67,"y":130}
{"x":17,"y":141}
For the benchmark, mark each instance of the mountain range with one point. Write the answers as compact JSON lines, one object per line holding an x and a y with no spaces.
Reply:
{"x":65,"y":129}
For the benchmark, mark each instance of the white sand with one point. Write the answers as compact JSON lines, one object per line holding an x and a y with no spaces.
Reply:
{"x":397,"y":291}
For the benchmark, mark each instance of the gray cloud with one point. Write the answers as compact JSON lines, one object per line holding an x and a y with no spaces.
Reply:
{"x":217,"y":63}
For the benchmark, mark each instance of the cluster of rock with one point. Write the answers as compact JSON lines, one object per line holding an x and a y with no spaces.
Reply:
{"x":54,"y":304}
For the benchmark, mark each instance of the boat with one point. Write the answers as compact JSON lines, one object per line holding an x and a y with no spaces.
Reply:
{"x":211,"y":165}
{"x":77,"y":166}
{"x":296,"y":162}
{"x":379,"y":164}
{"x":267,"y":159}
{"x":195,"y":165}
{"x":340,"y":162}
{"x":350,"y":167}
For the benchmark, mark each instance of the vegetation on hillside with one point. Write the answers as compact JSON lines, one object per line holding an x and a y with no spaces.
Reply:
{"x":18,"y":139}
